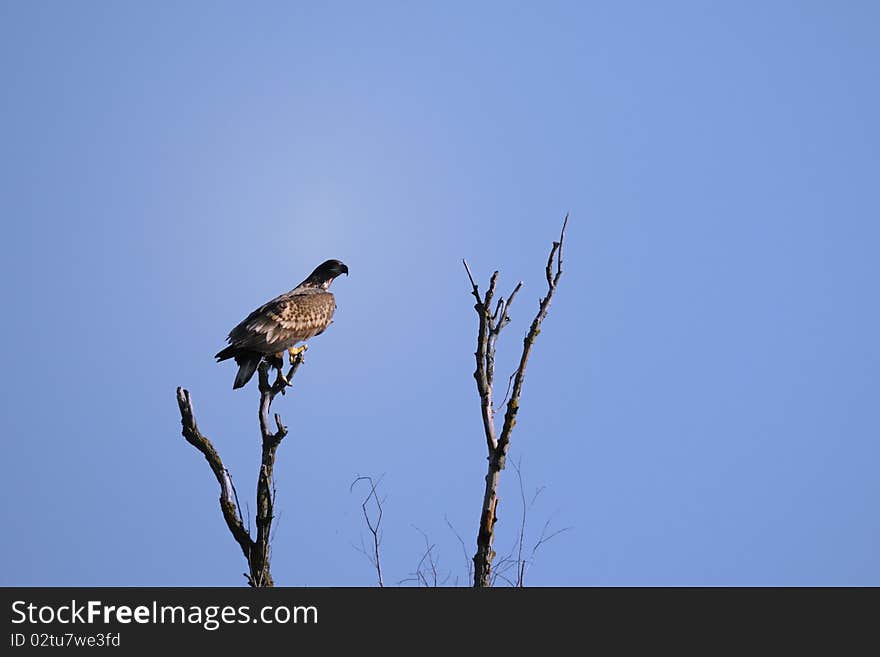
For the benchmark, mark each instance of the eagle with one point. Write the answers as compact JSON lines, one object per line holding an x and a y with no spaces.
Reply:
{"x":277,"y":325}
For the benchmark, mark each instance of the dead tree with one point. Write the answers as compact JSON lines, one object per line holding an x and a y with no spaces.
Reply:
{"x":256,"y":550}
{"x":491,"y":322}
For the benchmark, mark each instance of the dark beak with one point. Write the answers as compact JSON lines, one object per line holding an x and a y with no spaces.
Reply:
{"x":344,"y":269}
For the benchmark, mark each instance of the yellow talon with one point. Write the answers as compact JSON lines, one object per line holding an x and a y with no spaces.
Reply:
{"x":293,"y":352}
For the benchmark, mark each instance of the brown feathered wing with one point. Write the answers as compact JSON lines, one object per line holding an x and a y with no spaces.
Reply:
{"x":277,"y":325}
{"x":281,"y":323}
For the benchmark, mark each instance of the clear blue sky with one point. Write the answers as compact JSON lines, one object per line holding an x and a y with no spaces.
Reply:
{"x":701,"y":405}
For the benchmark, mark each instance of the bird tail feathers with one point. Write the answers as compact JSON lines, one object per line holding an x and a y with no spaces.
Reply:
{"x":226,"y":354}
{"x":247,"y":365}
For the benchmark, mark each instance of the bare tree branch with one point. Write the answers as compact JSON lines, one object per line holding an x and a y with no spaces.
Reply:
{"x":374,"y":525}
{"x":228,"y":498}
{"x":257,"y":550}
{"x":528,"y":343}
{"x":489,"y":327}
{"x":485,"y":364}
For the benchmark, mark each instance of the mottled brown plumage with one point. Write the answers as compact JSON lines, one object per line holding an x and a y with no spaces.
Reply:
{"x":276,"y":326}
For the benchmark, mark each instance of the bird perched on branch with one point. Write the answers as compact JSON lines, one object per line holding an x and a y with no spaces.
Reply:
{"x":276,"y":326}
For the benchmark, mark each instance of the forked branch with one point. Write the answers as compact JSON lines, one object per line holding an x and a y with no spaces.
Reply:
{"x":491,"y":322}
{"x":256,"y":550}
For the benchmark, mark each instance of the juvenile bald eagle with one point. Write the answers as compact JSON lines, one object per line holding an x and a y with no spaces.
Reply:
{"x":276,"y":326}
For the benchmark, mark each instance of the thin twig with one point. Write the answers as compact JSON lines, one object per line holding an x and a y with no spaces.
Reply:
{"x":373,"y":526}
{"x":522,"y":526}
{"x":427,"y":575}
{"x":470,"y":276}
{"x":545,"y":537}
{"x":469,"y":564}
{"x":507,"y":392}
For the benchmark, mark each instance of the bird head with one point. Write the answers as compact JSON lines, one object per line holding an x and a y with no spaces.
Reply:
{"x":325,"y":273}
